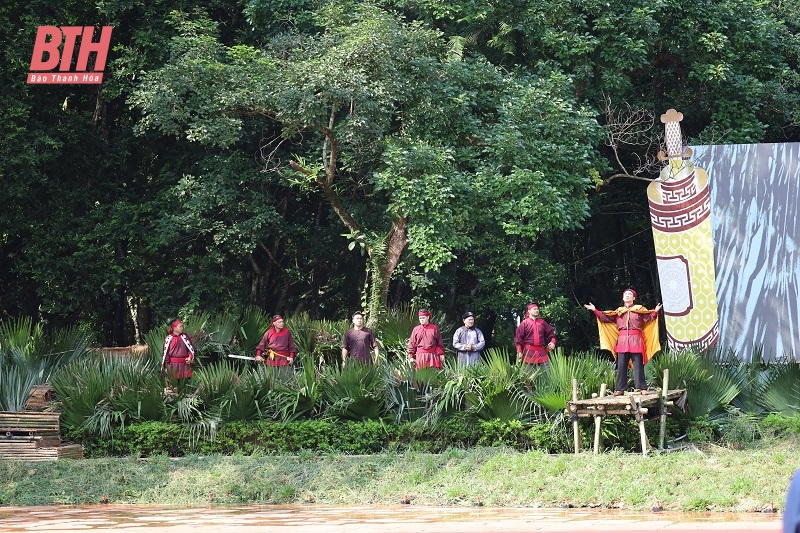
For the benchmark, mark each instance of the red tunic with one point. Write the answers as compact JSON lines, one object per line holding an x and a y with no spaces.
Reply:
{"x":279,"y":346}
{"x":630,"y":326}
{"x":426,"y":346}
{"x":359,"y":343}
{"x":178,"y":349}
{"x":531,"y":339}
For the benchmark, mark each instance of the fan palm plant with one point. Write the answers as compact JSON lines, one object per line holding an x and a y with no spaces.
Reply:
{"x":406,"y":397}
{"x":505,"y":389}
{"x":553,"y":388}
{"x":494,"y":389}
{"x":80,"y":387}
{"x":219,"y":388}
{"x":397,"y":326}
{"x":297,"y":394}
{"x":710,"y":383}
{"x":306,"y":334}
{"x":155,"y":343}
{"x":219,"y":331}
{"x":752,"y":379}
{"x":253,"y":325}
{"x":99,"y":393}
{"x":684,"y":368}
{"x":263,"y":380}
{"x":29,"y":357}
{"x":20,"y":335}
{"x":329,"y":339}
{"x":135,"y":395}
{"x":782,"y":389}
{"x":353,"y":392}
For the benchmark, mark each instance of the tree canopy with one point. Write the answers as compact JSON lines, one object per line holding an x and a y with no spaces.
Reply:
{"x":305,"y":155}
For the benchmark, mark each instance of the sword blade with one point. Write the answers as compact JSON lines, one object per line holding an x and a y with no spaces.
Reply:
{"x":245,"y":357}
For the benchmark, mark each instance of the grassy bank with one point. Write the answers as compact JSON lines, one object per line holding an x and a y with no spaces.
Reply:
{"x":713,"y":478}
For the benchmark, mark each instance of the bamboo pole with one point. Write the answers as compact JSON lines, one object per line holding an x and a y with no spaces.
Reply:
{"x":662,"y":428}
{"x":597,"y":420}
{"x":621,"y":412}
{"x":575,"y":429}
{"x":637,"y":404}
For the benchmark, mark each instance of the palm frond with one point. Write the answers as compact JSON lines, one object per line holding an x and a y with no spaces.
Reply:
{"x":782,"y":389}
{"x":20,"y":336}
{"x":16,"y":382}
{"x":553,"y":388}
{"x":353,"y":392}
{"x":218,"y":334}
{"x":298,"y":394}
{"x":403,"y":396}
{"x":64,"y":345}
{"x":216,"y":385}
{"x":155,"y":343}
{"x":100,"y":391}
{"x":80,"y":386}
{"x":711,"y":379}
{"x":254,"y":323}
{"x":305,"y":331}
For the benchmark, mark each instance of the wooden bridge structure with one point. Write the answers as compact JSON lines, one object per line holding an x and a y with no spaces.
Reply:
{"x":640,"y":405}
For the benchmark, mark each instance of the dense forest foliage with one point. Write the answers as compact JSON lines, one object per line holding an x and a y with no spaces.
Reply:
{"x":323,"y":156}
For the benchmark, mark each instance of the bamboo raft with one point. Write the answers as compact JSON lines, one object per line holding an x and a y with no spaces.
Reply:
{"x":32,"y":436}
{"x":643,"y":406}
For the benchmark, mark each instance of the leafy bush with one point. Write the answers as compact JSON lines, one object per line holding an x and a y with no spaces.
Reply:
{"x":779,"y":426}
{"x":334,"y":436}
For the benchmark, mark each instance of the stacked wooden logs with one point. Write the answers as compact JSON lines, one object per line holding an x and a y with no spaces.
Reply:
{"x":32,"y":436}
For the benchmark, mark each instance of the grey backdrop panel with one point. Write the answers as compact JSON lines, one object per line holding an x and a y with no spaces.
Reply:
{"x":755,"y":200}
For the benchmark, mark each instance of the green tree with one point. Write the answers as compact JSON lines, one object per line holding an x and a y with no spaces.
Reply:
{"x":410,"y":144}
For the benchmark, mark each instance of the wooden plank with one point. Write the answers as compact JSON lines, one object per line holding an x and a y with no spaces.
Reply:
{"x":662,"y":427}
{"x":626,"y":412}
{"x":636,"y":404}
{"x":597,"y":421}
{"x":21,"y":453}
{"x":70,"y":451}
{"x":576,"y":434}
{"x":36,"y":431}
{"x":30,"y":420}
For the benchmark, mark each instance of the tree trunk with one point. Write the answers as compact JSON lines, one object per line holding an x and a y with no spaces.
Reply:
{"x":383,"y":259}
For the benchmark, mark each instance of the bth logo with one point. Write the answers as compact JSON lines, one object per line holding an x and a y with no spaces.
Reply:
{"x":47,"y":56}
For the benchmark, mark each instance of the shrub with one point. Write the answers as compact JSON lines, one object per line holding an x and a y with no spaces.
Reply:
{"x":334,"y":436}
{"x":779,"y":426}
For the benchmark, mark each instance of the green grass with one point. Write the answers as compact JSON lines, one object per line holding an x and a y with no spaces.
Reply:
{"x":713,"y":478}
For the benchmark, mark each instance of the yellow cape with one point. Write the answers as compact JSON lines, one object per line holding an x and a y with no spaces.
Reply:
{"x":609,"y":333}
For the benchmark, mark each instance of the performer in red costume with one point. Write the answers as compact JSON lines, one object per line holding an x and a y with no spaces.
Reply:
{"x":426,"y":345}
{"x":178,"y":354}
{"x":534,"y":338}
{"x":631,"y":333}
{"x":277,"y":345}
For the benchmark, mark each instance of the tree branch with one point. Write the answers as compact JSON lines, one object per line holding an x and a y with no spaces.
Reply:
{"x":271,"y":257}
{"x":633,"y":130}
{"x":332,"y":198}
{"x":330,"y":139}
{"x":621,"y":175}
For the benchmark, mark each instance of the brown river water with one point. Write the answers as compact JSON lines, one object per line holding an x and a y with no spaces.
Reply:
{"x":405,"y":519}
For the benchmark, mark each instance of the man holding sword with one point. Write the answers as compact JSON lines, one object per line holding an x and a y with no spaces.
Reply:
{"x":277,"y":347}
